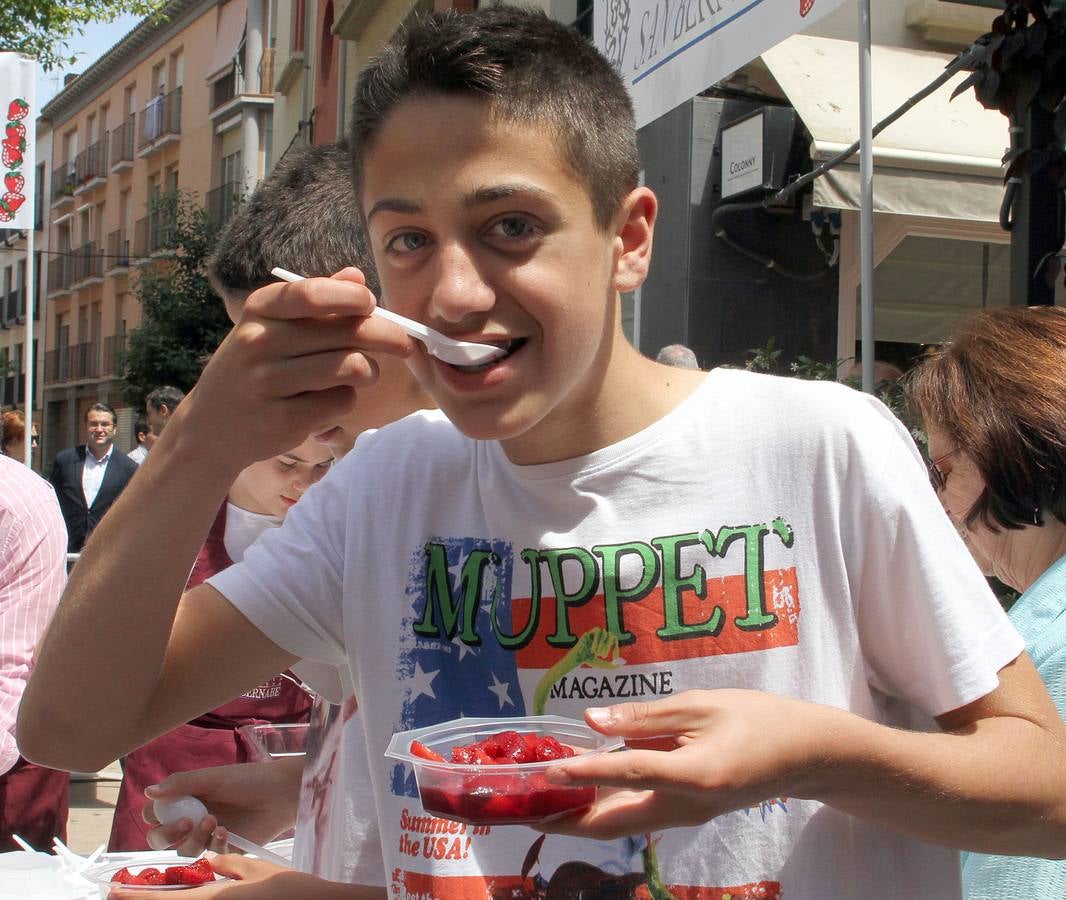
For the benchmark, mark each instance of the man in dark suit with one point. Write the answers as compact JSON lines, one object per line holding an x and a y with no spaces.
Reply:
{"x":88,"y":478}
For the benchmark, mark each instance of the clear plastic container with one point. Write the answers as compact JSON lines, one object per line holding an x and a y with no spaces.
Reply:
{"x":497,"y":793}
{"x":275,"y":741}
{"x":103,"y":874}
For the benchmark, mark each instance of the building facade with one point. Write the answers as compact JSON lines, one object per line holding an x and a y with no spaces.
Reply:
{"x":180,"y":104}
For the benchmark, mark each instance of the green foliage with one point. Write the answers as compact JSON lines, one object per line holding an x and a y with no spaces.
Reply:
{"x":42,"y":28}
{"x":183,"y":321}
{"x":890,"y":391}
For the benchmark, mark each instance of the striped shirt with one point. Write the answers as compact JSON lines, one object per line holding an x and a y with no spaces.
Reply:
{"x":33,"y":546}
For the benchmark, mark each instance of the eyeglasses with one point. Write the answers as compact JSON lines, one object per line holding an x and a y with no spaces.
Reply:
{"x":938,"y":478}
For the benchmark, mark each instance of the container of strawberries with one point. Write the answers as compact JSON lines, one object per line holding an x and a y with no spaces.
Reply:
{"x":151,"y":872}
{"x":492,"y":771}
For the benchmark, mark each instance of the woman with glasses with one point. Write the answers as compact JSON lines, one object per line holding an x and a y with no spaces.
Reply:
{"x":993,"y":403}
{"x":13,"y":435}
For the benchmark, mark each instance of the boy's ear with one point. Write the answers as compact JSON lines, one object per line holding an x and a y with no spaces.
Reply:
{"x":635,"y":225}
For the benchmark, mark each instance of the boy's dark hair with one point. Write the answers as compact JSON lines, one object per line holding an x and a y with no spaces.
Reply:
{"x":303,"y":217}
{"x":529,"y":69}
{"x":141,"y":427}
{"x":167,"y":395}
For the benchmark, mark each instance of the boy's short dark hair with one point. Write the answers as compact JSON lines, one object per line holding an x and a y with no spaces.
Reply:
{"x":530,"y":69}
{"x":167,"y":395}
{"x":141,"y":427}
{"x":303,"y":216}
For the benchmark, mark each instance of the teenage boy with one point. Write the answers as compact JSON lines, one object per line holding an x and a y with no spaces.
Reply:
{"x":579,"y":505}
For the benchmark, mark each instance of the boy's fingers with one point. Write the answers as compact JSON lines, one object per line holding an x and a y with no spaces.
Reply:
{"x":643,"y":719}
{"x":311,"y":298}
{"x":638,"y":769}
{"x":234,"y":865}
{"x":301,"y":337}
{"x":618,"y":815}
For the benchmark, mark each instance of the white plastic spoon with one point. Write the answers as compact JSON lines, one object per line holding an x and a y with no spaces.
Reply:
{"x":168,"y":812}
{"x":457,"y":353}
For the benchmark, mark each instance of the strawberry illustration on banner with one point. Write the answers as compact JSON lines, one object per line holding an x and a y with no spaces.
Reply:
{"x":17,"y":76}
{"x":805,"y":7}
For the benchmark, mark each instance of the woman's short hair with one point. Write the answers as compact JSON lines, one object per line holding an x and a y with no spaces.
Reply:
{"x":997,"y":390}
{"x":13,"y":428}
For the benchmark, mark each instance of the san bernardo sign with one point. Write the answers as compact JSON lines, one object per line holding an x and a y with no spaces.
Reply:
{"x":669,"y":50}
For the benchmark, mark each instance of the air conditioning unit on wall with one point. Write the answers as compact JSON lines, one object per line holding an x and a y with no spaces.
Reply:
{"x":951,"y":24}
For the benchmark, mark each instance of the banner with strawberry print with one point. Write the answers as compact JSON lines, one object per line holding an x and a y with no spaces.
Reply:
{"x":670,"y":50}
{"x":17,"y":165}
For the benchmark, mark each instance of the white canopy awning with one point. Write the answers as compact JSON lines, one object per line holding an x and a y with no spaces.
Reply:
{"x":228,"y":36}
{"x":941,"y":159}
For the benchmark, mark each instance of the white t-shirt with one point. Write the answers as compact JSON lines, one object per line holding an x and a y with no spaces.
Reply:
{"x":768,"y":533}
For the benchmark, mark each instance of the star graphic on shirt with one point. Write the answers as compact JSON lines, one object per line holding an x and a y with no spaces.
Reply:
{"x":464,"y":649}
{"x":502,"y":690}
{"x":421,"y":682}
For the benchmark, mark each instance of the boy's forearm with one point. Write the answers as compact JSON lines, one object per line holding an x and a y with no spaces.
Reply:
{"x":101,"y":658}
{"x":997,"y":786}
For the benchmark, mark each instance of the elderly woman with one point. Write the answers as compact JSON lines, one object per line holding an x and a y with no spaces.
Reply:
{"x":13,"y":434}
{"x":993,"y":402}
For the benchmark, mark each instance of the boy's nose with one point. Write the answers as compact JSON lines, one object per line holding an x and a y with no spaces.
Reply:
{"x":460,"y":290}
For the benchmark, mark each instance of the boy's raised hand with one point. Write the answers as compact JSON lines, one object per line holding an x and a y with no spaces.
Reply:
{"x":290,"y":367}
{"x":694,"y":756}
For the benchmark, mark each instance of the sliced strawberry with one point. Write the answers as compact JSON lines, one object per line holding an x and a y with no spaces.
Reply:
{"x":18,"y":109}
{"x":421,"y":750}
{"x":199,"y":872}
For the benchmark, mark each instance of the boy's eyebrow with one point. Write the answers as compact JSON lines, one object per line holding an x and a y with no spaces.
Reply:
{"x":393,"y":204}
{"x":477,"y":198}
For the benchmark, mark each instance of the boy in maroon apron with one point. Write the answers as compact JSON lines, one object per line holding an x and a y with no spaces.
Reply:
{"x":214,"y":739}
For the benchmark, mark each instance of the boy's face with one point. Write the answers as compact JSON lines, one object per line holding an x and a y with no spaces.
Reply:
{"x":481,"y":230}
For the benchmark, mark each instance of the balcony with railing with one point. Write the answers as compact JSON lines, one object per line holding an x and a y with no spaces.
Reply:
{"x":153,"y":234}
{"x":72,"y":363}
{"x":222,"y":202}
{"x":90,"y":166}
{"x":118,"y":251}
{"x":64,"y":181}
{"x":122,"y":141}
{"x":114,"y":350}
{"x":238,"y":88}
{"x":88,"y":264}
{"x":60,"y":272}
{"x":160,"y":122}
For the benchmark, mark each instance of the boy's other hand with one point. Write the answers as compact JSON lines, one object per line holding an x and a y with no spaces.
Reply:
{"x":292,"y":365}
{"x":695,"y":756}
{"x":256,"y":800}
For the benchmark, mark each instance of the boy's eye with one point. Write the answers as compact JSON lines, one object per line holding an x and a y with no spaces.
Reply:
{"x":513,"y":227}
{"x":408,"y":242}
{"x":286,"y":465}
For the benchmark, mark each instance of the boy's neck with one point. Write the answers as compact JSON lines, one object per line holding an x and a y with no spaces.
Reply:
{"x":635,"y":393}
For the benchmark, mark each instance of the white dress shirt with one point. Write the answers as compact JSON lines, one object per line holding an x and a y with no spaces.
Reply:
{"x":92,"y":475}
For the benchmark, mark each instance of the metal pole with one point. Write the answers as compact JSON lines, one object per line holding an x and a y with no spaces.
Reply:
{"x":27,"y":353}
{"x":866,"y":206}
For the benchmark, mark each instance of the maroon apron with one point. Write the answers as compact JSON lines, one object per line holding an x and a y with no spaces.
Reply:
{"x":212,"y":739}
{"x":34,"y":802}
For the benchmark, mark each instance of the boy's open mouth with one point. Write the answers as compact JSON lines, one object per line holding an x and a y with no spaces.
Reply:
{"x":509,"y":347}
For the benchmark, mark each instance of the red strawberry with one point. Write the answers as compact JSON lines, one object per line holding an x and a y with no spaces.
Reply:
{"x":199,"y":872}
{"x":10,"y":156}
{"x":420,"y":749}
{"x":805,"y":7}
{"x":18,"y":109}
{"x":16,"y":129}
{"x":6,"y":216}
{"x":14,"y":182}
{"x":12,"y":201}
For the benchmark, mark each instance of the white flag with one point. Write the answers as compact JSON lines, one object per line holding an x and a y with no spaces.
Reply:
{"x":669,"y":50}
{"x":17,"y":165}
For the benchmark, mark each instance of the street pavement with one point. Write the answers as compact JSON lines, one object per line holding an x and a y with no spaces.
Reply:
{"x":92,"y":804}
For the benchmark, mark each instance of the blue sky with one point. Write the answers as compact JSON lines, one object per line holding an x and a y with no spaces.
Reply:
{"x":89,"y":47}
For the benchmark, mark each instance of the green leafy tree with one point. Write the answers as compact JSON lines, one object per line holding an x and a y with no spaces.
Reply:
{"x":42,"y":28}
{"x":182,"y":320}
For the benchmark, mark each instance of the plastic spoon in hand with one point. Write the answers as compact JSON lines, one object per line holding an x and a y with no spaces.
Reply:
{"x":168,"y":812}
{"x":457,"y":353}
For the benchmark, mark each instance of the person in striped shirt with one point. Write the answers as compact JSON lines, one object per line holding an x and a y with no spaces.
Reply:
{"x":33,"y":543}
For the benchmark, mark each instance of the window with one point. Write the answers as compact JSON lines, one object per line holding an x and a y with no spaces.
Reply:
{"x":299,"y":16}
{"x":231,"y":168}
